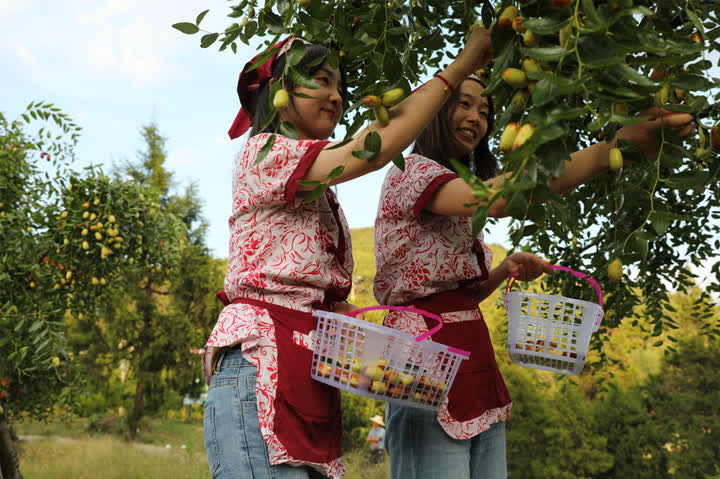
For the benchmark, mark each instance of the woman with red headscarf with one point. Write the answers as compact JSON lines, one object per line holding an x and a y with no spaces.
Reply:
{"x":265,"y":417}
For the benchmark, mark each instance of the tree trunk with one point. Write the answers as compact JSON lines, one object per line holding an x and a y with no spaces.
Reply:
{"x":9,"y":463}
{"x":137,"y":411}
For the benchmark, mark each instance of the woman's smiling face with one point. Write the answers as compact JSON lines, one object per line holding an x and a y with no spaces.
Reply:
{"x":468,"y":118}
{"x":316,"y":118}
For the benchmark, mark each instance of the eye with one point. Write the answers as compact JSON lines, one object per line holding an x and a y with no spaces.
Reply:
{"x":464,"y":103}
{"x":325,"y":80}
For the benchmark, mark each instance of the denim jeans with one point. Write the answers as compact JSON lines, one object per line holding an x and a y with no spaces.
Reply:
{"x":420,"y":449}
{"x":233,"y":441}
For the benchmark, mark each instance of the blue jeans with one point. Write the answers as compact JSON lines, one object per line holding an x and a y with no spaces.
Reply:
{"x":420,"y":449}
{"x":233,"y":442}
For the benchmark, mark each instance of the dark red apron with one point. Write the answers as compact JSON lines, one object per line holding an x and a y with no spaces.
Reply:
{"x":308,"y":420}
{"x":478,"y":386}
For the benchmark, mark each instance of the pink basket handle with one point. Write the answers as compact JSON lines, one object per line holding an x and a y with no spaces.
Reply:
{"x":409,"y":309}
{"x":578,"y":274}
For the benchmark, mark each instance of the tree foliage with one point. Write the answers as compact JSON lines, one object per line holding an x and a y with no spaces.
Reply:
{"x":593,"y":66}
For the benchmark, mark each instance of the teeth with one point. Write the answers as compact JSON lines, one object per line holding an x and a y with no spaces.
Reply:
{"x":470,"y":133}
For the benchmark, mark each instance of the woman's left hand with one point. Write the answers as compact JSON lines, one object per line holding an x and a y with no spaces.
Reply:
{"x":527,"y":265}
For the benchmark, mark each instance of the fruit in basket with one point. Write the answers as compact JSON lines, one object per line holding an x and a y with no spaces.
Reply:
{"x":406,"y":379}
{"x":439,"y":386}
{"x":324,"y":369}
{"x":391,"y":376}
{"x":375,"y":372}
{"x":354,"y":380}
{"x":356,"y":365}
{"x":378,"y":387}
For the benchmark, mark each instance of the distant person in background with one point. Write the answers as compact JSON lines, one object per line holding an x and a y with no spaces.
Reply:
{"x":376,"y":439}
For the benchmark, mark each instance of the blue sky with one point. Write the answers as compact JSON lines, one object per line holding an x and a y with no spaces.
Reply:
{"x":116,"y":65}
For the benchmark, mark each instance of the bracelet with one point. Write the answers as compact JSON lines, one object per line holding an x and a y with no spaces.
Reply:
{"x":448,"y":86}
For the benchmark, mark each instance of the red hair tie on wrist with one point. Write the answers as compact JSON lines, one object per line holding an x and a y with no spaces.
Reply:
{"x":448,"y":86}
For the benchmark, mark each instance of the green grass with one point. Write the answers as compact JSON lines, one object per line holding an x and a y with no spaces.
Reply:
{"x":108,"y":457}
{"x":70,"y":453}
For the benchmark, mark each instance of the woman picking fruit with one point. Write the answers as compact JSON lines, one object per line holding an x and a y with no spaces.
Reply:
{"x":427,"y":258}
{"x":265,"y":417}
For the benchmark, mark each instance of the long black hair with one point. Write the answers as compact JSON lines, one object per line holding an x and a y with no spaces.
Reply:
{"x":437,"y":142}
{"x":262,"y":104}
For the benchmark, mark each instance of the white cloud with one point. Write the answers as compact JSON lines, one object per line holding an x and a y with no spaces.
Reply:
{"x":24,"y":55}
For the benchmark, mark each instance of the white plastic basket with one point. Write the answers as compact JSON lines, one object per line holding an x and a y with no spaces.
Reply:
{"x":551,"y":332}
{"x":382,"y":363}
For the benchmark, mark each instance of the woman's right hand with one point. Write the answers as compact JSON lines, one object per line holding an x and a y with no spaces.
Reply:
{"x":478,"y":49}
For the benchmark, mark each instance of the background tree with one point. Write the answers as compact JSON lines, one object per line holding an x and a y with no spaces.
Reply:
{"x":159,"y":310}
{"x":64,"y":237}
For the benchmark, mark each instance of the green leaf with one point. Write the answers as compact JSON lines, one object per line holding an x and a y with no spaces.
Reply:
{"x":299,"y":95}
{"x":373,"y":142}
{"x":695,"y":20}
{"x":263,"y":58}
{"x":551,"y":87}
{"x":308,"y":182}
{"x":337,"y":171}
{"x":295,"y":54}
{"x":479,"y":218}
{"x":302,"y":79}
{"x":186,"y":27}
{"x":340,"y":144}
{"x":545,"y":53}
{"x":597,"y":53}
{"x":316,"y":193}
{"x":288,"y":129}
{"x":687,"y":179}
{"x":622,"y":71}
{"x":200,"y":17}
{"x":660,"y":221}
{"x":265,"y":149}
{"x":399,"y":161}
{"x":364,"y":154}
{"x":545,"y":26}
{"x":208,"y":39}
{"x":693,"y":83}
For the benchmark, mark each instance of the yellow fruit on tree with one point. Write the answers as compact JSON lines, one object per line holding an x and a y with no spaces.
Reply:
{"x":84,"y":232}
{"x":506,"y":18}
{"x":382,"y":115}
{"x":530,"y":65}
{"x":530,"y":39}
{"x":85,"y":245}
{"x":508,"y":136}
{"x":393,"y":97}
{"x":518,"y":26}
{"x":525,"y":132}
{"x":98,"y":235}
{"x":281,"y":99}
{"x":616,"y":159}
{"x":515,"y":78}
{"x":615,"y":270}
{"x":715,"y":137}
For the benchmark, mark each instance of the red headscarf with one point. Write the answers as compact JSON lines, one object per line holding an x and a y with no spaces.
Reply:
{"x":249,"y":84}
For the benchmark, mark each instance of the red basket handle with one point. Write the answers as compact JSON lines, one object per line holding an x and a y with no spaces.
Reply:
{"x":578,"y":274}
{"x":409,"y":309}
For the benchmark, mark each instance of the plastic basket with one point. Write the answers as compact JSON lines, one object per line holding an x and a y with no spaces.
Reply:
{"x":551,"y":332}
{"x":382,"y":363}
